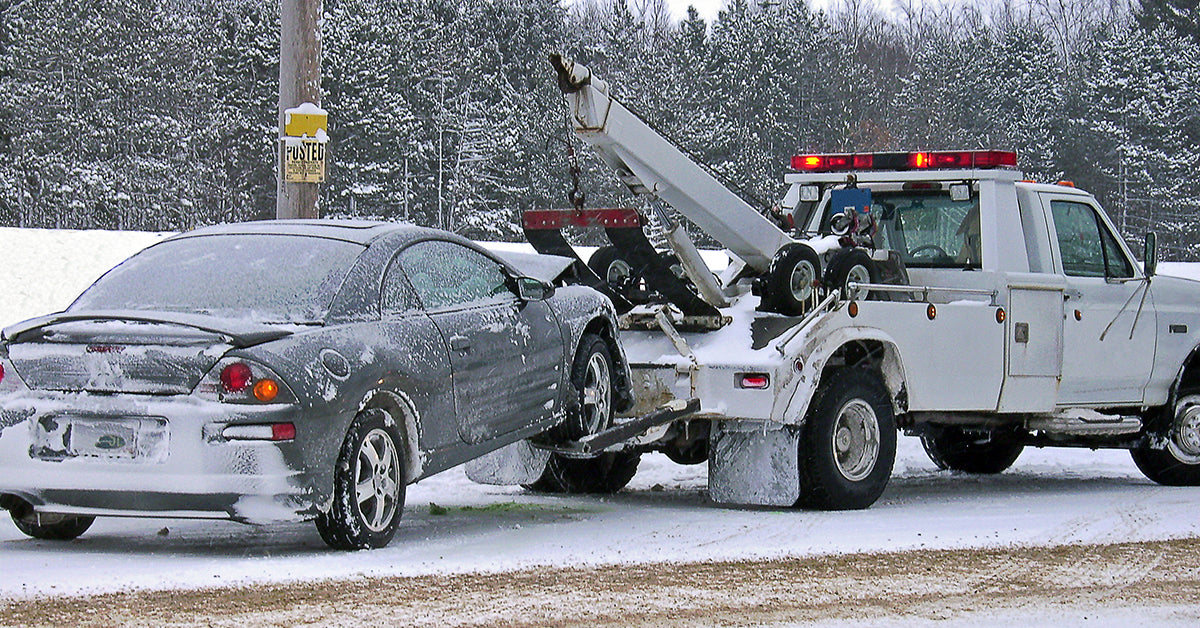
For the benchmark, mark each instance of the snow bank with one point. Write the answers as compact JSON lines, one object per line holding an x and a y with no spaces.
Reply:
{"x":45,"y":269}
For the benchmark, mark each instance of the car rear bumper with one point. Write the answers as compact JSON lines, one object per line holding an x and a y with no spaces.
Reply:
{"x":191,"y":470}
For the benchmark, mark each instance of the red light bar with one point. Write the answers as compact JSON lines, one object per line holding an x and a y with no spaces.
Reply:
{"x":906,"y":161}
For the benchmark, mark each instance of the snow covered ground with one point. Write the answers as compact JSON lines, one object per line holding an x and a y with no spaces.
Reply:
{"x":1050,"y":497}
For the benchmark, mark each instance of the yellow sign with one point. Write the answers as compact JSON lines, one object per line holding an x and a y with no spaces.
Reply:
{"x":303,"y":160}
{"x":305,"y":120}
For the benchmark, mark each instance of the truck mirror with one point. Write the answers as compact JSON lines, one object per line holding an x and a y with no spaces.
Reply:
{"x":1150,"y":255}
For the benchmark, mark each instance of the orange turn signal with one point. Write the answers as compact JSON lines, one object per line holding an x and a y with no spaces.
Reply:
{"x":852,"y":309}
{"x":266,"y":390}
{"x":1000,"y":315}
{"x":931,"y":311}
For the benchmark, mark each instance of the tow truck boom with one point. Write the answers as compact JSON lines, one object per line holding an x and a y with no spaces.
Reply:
{"x":649,"y":164}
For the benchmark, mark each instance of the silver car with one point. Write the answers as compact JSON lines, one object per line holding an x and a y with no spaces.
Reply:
{"x":294,"y":369}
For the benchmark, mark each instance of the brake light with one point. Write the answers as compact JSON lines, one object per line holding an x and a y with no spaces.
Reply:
{"x":922,"y":160}
{"x":236,"y":377}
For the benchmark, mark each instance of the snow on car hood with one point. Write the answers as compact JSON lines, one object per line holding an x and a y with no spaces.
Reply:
{"x":547,"y":268}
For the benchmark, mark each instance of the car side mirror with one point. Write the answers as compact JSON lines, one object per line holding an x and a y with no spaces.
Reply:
{"x":530,"y":289}
{"x":1150,"y":255}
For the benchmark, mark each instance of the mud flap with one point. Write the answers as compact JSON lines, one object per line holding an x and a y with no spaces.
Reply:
{"x":753,"y":463}
{"x":518,"y":463}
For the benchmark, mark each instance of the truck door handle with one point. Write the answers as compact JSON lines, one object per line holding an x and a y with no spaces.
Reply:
{"x":1072,"y":294}
{"x":460,"y":343}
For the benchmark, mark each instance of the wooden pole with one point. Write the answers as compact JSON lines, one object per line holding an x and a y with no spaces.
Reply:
{"x":299,"y":82}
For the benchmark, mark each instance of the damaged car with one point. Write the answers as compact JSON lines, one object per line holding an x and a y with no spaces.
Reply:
{"x":279,"y":370}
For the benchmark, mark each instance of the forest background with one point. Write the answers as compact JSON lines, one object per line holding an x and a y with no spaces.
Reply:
{"x":161,"y":115}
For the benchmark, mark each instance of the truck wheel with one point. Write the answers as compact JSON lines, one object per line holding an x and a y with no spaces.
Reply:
{"x":792,"y":280}
{"x":606,"y":473}
{"x":851,"y":265}
{"x":954,"y":449}
{"x":610,"y":266}
{"x":849,"y":442}
{"x":368,"y":491}
{"x":1173,"y":457}
{"x":51,"y":527}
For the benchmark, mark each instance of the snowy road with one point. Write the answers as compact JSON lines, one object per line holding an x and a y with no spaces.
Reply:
{"x":1050,"y":497}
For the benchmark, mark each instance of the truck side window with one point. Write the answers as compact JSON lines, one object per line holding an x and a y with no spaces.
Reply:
{"x":1087,"y":247}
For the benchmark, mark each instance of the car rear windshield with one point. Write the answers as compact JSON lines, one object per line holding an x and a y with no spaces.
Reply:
{"x":265,"y":277}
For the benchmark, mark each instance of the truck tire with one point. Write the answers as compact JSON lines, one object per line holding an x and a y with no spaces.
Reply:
{"x":370,"y":457}
{"x":851,"y":265}
{"x":608,"y":264}
{"x":604,"y":474}
{"x":51,"y":527}
{"x":848,"y":443}
{"x":953,"y":449}
{"x":1171,"y":454}
{"x":792,"y":280}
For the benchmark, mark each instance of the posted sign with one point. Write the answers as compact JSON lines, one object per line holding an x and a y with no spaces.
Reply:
{"x":303,"y":160}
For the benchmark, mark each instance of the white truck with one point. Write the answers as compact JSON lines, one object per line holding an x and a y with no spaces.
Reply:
{"x":934,"y":293}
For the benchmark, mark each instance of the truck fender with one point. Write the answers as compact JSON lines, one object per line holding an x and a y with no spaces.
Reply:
{"x":1187,"y":377}
{"x":880,"y":348}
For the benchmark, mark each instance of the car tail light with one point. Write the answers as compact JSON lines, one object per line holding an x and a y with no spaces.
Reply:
{"x":272,"y":432}
{"x":238,"y":380}
{"x":283,"y":431}
{"x":756,"y":381}
{"x":9,"y":379}
{"x":236,"y":377}
{"x":266,"y":389}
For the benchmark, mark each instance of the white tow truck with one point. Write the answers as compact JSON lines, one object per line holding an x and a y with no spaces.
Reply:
{"x":934,"y":293}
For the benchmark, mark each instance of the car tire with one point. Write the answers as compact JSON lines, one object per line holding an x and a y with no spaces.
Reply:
{"x":51,"y":527}
{"x":851,"y":265}
{"x":792,"y":280}
{"x":591,"y":410}
{"x":953,"y":449}
{"x":592,"y":379}
{"x":370,"y":458}
{"x":607,"y":473}
{"x":848,"y":444}
{"x":1171,"y":454}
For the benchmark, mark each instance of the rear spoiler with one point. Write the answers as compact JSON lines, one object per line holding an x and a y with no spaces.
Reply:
{"x":241,"y":333}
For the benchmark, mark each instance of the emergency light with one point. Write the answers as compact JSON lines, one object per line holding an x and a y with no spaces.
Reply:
{"x":923,"y":160}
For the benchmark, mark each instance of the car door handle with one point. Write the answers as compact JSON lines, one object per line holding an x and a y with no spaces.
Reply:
{"x":460,"y":343}
{"x":1072,"y":294}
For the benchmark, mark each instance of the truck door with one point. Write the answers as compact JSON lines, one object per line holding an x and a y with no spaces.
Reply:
{"x":1108,"y":317}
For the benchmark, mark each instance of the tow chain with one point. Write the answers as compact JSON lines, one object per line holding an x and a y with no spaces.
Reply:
{"x":575,"y":196}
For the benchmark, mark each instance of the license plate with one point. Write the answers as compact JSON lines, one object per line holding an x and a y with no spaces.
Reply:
{"x":143,"y":439}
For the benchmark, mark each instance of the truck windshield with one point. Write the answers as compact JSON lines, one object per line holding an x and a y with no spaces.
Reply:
{"x":928,"y":229}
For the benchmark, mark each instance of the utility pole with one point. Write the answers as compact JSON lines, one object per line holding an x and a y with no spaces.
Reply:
{"x":299,"y":82}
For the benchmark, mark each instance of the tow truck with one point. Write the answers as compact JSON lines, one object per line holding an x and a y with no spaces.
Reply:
{"x":936,"y":293}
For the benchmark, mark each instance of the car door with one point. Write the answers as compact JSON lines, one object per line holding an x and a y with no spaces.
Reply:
{"x":506,"y":354}
{"x":413,"y":360}
{"x":1108,"y":315}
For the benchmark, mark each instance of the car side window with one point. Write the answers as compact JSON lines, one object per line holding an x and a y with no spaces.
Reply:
{"x":397,"y":297}
{"x":1087,"y":247}
{"x":446,"y":274}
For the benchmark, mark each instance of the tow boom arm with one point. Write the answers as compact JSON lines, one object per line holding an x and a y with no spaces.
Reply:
{"x":649,"y":164}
